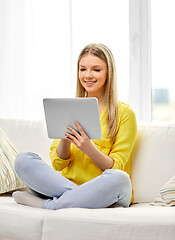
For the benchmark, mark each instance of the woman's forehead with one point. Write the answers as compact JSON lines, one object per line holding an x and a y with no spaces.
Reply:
{"x":92,"y":60}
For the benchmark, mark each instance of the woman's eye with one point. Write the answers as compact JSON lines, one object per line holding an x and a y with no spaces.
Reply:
{"x":82,"y":69}
{"x":97,"y":70}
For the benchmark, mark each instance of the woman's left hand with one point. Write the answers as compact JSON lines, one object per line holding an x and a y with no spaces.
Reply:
{"x":85,"y":144}
{"x":81,"y":140}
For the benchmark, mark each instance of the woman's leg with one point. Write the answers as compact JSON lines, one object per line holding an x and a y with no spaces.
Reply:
{"x":110,"y":187}
{"x":40,"y":177}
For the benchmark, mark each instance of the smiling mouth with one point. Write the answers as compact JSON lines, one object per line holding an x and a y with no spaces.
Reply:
{"x":90,"y":82}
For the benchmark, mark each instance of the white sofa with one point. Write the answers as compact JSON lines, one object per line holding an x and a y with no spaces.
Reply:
{"x":153,"y":164}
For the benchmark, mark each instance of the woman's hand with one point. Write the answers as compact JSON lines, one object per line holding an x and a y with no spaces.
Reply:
{"x":84,"y":143}
{"x":81,"y":140}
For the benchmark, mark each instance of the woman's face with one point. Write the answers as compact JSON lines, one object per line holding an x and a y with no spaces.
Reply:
{"x":93,"y":74}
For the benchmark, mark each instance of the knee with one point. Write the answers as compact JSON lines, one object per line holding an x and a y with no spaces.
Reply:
{"x":121,"y":184}
{"x":22,"y":162}
{"x":118,"y":177}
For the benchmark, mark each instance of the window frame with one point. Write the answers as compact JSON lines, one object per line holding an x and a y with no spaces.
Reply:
{"x":140,"y":96}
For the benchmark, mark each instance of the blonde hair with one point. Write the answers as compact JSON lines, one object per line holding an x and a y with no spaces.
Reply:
{"x":110,"y":99}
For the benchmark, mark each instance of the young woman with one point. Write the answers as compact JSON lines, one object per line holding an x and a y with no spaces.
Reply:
{"x":95,"y":173}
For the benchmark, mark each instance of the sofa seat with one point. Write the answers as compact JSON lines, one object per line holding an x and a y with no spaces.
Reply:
{"x":140,"y":221}
{"x":135,"y":223}
{"x":20,"y":222}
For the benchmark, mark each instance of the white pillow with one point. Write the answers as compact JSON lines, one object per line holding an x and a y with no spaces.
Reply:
{"x":167,"y":194}
{"x":9,"y":180}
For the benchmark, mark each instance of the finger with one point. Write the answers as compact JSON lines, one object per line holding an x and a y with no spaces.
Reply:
{"x":71,"y":138}
{"x":74,"y":132}
{"x":68,"y":139}
{"x":79,"y":128}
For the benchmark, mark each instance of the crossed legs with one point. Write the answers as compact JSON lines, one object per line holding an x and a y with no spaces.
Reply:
{"x":110,"y":187}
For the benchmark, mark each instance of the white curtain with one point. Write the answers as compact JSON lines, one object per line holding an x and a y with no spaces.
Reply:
{"x":34,"y":55}
{"x":39,"y":44}
{"x":107,"y":22}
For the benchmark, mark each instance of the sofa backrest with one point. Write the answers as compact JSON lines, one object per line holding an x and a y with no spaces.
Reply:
{"x":153,"y":157}
{"x":153,"y":160}
{"x":28,"y":136}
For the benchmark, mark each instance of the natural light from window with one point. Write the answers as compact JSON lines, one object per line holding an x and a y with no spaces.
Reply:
{"x":104,"y":22}
{"x":41,"y":41}
{"x":163,"y":59}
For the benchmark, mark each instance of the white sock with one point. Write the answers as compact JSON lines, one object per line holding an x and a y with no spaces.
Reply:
{"x":27,"y":198}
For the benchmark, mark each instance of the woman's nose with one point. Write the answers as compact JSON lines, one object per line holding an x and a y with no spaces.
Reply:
{"x":89,"y":75}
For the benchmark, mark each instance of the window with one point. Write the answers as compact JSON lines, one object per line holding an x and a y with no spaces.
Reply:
{"x":40,"y":44}
{"x":34,"y":55}
{"x":163,"y":59}
{"x":106,"y":22}
{"x":140,"y":68}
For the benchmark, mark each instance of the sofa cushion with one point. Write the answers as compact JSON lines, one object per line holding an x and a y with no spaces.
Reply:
{"x":20,"y":222}
{"x":9,"y":179}
{"x":134,"y":223}
{"x":140,"y":221}
{"x":153,"y":160}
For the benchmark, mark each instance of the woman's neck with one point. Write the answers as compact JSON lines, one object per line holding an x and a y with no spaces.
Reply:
{"x":100,"y":100}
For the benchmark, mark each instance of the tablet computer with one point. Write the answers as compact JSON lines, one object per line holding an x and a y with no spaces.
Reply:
{"x":63,"y":112}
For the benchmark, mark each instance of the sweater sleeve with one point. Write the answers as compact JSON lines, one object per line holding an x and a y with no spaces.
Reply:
{"x":125,"y":139}
{"x":57,"y":163}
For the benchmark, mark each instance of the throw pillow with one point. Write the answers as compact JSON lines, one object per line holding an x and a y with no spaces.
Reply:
{"x":167,"y":194}
{"x":9,"y":180}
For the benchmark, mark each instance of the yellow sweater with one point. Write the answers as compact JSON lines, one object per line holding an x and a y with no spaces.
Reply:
{"x":79,"y":168}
